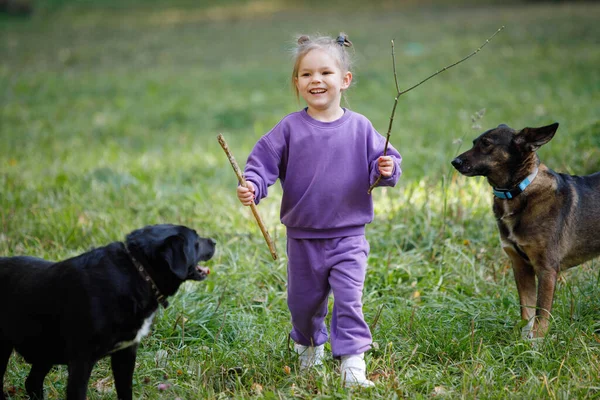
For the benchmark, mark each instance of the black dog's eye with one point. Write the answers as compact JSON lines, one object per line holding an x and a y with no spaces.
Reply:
{"x":197,"y":245}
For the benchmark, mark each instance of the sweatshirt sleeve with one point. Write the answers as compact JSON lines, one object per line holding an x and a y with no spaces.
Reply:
{"x":262,"y":167}
{"x":375,"y":151}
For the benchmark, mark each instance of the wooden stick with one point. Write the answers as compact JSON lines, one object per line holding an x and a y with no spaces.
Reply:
{"x":253,"y":207}
{"x":400,"y":93}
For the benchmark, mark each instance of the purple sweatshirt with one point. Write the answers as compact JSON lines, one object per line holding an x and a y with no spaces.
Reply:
{"x":325,"y":169}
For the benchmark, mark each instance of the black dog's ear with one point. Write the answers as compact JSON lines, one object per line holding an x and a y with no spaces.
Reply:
{"x":531,"y":139}
{"x":174,"y":254}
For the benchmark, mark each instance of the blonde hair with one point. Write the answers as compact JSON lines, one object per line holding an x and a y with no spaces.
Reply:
{"x":335,"y":47}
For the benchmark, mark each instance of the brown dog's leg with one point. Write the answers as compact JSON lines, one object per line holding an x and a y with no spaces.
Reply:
{"x":525,"y":279}
{"x":546,"y":286}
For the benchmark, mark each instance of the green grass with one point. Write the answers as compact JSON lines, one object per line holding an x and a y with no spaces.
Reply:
{"x":108,"y":122}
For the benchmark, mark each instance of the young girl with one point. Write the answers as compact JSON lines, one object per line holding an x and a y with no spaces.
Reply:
{"x":326,"y":157}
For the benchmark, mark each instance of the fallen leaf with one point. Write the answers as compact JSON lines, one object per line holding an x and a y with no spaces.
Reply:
{"x":104,"y":385}
{"x":257,"y":388}
{"x":439,"y":391}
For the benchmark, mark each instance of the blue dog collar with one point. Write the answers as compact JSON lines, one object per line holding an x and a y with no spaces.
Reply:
{"x":509,"y":194}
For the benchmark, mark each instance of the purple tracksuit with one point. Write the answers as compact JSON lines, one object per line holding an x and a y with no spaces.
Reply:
{"x":325,"y":169}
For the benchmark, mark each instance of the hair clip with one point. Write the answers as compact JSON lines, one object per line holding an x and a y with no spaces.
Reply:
{"x":303,"y":39}
{"x":341,"y":40}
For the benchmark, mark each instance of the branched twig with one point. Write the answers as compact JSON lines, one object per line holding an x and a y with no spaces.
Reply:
{"x":253,"y":207}
{"x":400,"y":93}
{"x":394,"y":67}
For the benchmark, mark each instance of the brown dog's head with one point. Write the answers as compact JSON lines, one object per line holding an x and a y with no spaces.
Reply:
{"x":171,"y":254}
{"x":503,"y":154}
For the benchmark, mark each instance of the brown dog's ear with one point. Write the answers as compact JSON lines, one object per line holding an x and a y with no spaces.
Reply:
{"x":531,"y":139}
{"x":174,"y":254}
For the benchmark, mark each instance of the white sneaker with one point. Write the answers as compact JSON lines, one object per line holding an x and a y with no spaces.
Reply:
{"x":354,"y":370}
{"x":309,"y":356}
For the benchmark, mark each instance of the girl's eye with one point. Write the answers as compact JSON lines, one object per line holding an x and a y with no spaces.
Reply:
{"x":305,"y":74}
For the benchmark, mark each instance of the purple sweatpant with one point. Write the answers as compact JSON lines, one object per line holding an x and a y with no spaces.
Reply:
{"x":317,"y":267}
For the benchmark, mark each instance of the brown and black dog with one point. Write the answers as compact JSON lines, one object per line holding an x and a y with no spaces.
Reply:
{"x":548,"y":221}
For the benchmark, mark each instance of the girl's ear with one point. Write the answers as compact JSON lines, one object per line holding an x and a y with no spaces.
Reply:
{"x":346,"y":80}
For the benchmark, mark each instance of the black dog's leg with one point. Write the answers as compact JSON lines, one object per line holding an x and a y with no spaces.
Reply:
{"x":79,"y":376}
{"x":34,"y":385}
{"x":123,"y":364}
{"x":5,"y":351}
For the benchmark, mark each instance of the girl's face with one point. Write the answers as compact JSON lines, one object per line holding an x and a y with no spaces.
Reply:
{"x":320,"y":82}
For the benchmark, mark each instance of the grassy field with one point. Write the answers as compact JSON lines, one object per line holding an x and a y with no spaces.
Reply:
{"x":108,"y":122}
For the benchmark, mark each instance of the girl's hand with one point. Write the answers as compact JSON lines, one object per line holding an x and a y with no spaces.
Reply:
{"x":386,"y":166}
{"x":246,"y":194}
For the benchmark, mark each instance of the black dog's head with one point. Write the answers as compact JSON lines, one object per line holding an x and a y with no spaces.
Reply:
{"x":171,"y":253}
{"x":503,"y":152}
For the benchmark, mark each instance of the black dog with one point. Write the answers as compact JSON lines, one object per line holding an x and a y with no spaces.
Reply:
{"x":79,"y":310}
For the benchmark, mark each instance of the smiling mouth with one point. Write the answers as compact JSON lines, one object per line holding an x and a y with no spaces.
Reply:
{"x":202,"y":270}
{"x":317,"y":91}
